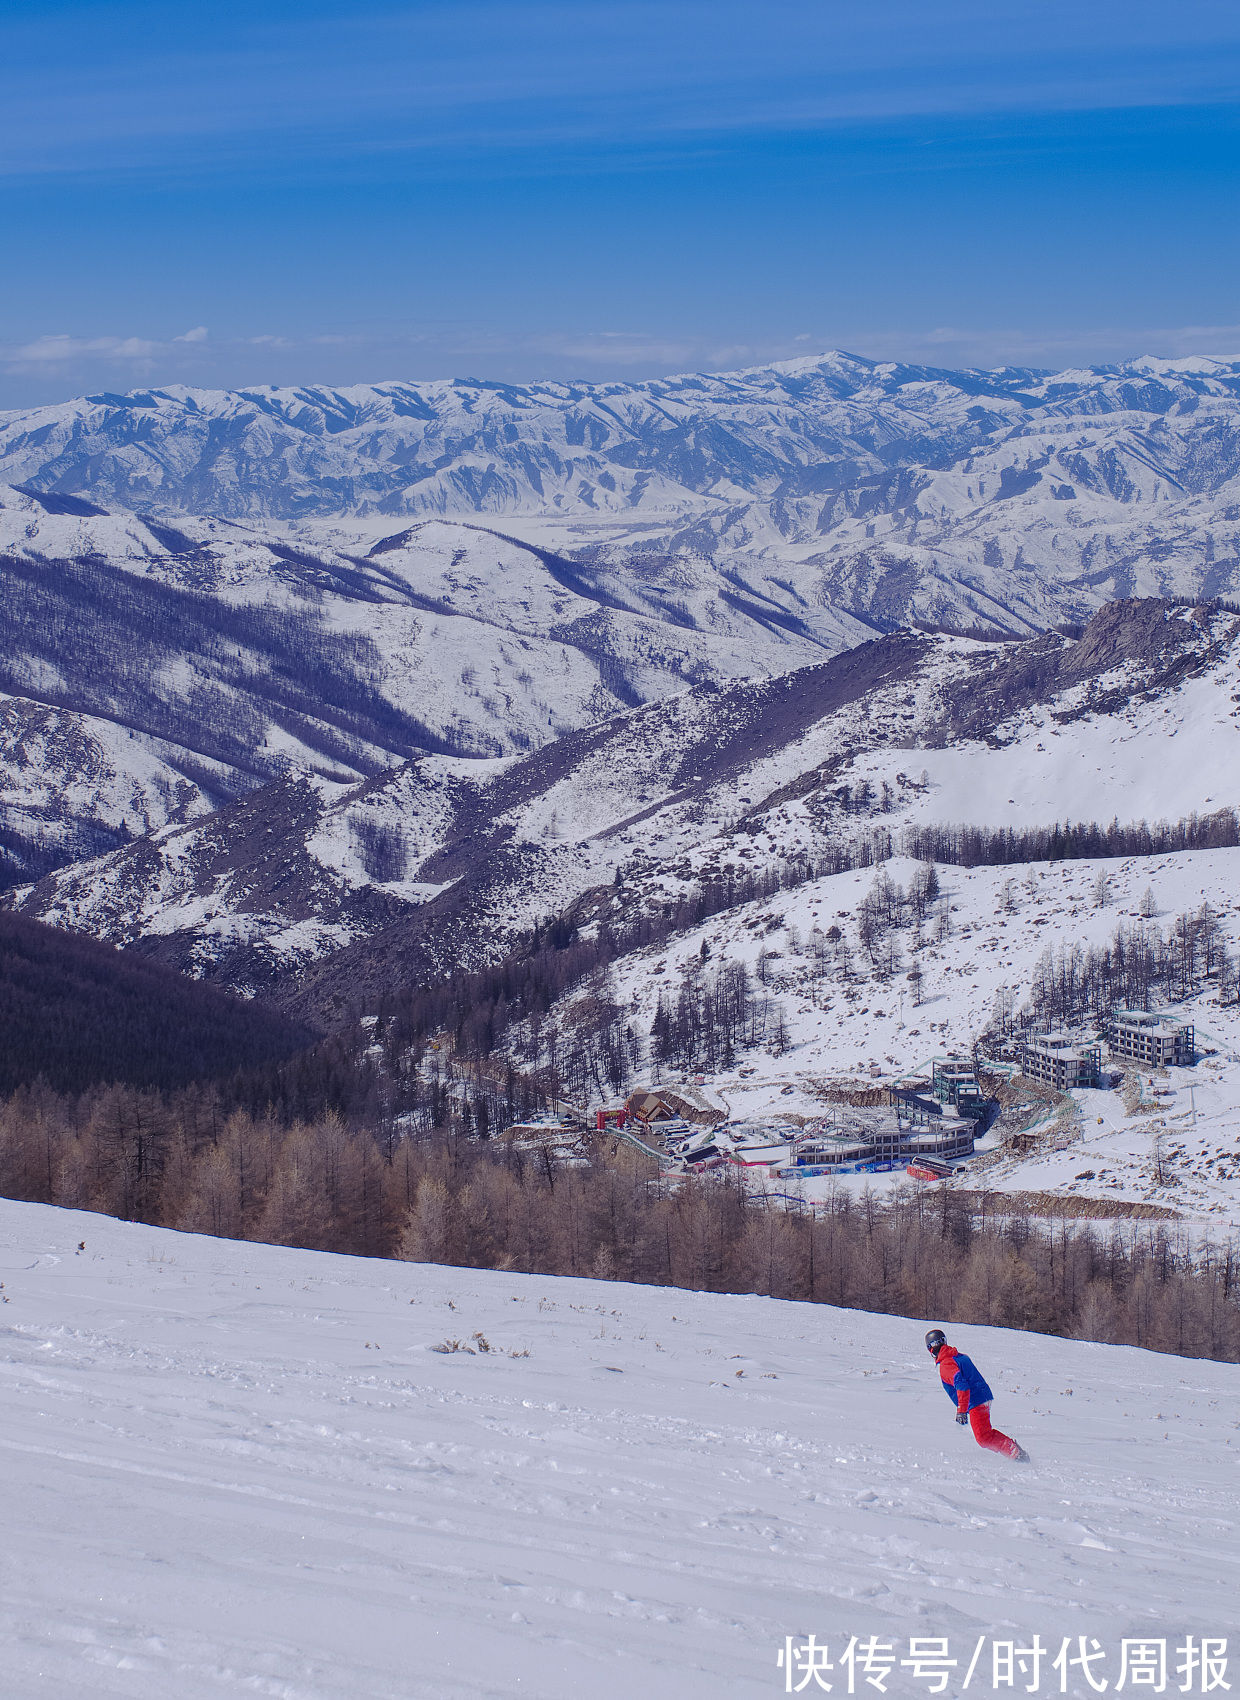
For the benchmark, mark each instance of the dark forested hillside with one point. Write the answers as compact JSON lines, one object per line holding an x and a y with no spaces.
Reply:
{"x":76,"y":1013}
{"x":240,"y":664}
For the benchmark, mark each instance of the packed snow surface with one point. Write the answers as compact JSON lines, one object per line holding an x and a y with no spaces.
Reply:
{"x":1159,"y":759}
{"x":235,"y":1469}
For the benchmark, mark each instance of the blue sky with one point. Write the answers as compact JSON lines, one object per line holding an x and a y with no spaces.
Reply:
{"x":307,"y":191}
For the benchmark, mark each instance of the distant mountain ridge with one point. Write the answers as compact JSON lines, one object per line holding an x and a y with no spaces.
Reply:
{"x":693,"y":443}
{"x":1010,"y":499}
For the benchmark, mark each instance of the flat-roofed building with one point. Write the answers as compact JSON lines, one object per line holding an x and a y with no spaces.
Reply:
{"x":1155,"y":1041}
{"x":953,"y":1137}
{"x":1061,"y":1061}
{"x":954,"y":1081}
{"x":886,"y":1135}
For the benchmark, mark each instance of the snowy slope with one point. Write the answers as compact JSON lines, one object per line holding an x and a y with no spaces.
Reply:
{"x":475,"y":852}
{"x":72,"y":785}
{"x":234,"y":1469}
{"x":1153,"y":759}
{"x":1144,"y":726}
{"x":1137,"y":718}
{"x":155,"y":671}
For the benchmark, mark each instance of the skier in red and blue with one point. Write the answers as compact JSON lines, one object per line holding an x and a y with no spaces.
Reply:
{"x":966,"y":1387}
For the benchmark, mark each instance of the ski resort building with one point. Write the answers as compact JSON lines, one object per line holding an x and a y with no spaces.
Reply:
{"x":1154,"y":1041}
{"x":890,"y":1137}
{"x":1061,"y":1061}
{"x":954,"y":1081}
{"x":655,"y":1104}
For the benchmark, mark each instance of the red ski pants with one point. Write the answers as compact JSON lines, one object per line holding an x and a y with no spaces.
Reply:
{"x":990,"y":1438}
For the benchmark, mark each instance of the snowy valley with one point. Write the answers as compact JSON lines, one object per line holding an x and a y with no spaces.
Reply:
{"x":152,"y":672}
{"x":1138,"y":719}
{"x":758,"y":829}
{"x":204,"y":591}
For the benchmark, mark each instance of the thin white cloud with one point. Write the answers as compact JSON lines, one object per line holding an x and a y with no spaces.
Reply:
{"x":59,"y":350}
{"x":56,"y":366}
{"x":77,"y":361}
{"x":490,"y":75}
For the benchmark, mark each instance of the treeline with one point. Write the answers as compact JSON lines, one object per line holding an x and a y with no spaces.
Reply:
{"x":447,"y":1198}
{"x":980,"y":846}
{"x":476,"y":1010}
{"x":1138,"y":967}
{"x":588,"y":1043}
{"x":177,"y":1161}
{"x":919,"y":1254}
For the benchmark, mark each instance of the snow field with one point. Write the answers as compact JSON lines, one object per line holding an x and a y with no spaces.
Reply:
{"x":237,"y":1469}
{"x":1152,"y":760}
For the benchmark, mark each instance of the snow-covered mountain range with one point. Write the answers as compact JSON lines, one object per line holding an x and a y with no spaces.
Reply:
{"x":328,"y":892}
{"x":598,"y":652}
{"x":149,"y":672}
{"x":1011,"y":498}
{"x":203,"y":591}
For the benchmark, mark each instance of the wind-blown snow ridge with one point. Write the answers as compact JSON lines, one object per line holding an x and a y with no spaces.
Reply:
{"x":235,"y":1469}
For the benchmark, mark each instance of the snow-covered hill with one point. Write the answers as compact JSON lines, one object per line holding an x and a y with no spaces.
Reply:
{"x":236,"y":1469}
{"x":444,"y":862}
{"x":151,"y":672}
{"x":473,"y":853}
{"x":1010,"y":498}
{"x":1177,"y":1148}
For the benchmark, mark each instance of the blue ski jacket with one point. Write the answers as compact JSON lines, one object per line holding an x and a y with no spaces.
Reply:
{"x":963,"y":1382}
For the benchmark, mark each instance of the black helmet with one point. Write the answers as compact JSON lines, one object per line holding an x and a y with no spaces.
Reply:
{"x":935,"y":1340}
